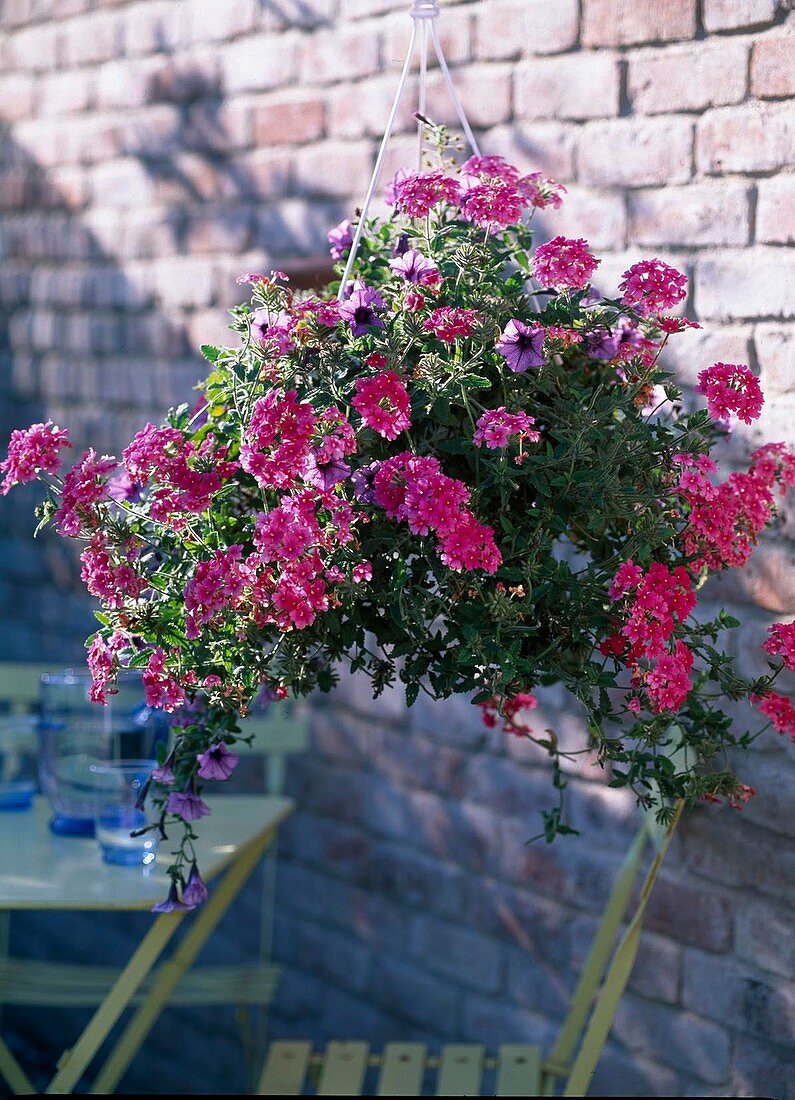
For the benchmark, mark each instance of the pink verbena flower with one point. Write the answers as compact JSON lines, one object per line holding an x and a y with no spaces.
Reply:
{"x":277,"y":440}
{"x":781,"y":643}
{"x":489,"y":168}
{"x":669,"y":681}
{"x":494,"y":205}
{"x":662,"y":598}
{"x":112,"y":581}
{"x":31,"y":451}
{"x":496,"y":426}
{"x":383,"y":403}
{"x":450,"y":323}
{"x":286,"y":532}
{"x":774,"y":463}
{"x":731,"y":388}
{"x":628,"y":577}
{"x":651,"y":285}
{"x":779,"y":710}
{"x":470,"y":545}
{"x":161,"y":689}
{"x":84,"y":486}
{"x":418,"y":193}
{"x":102,"y":658}
{"x":362,"y":571}
{"x":215,"y":585}
{"x":542,"y":192}
{"x":563,"y":263}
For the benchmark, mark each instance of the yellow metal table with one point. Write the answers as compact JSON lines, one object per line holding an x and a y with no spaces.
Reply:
{"x":41,"y":871}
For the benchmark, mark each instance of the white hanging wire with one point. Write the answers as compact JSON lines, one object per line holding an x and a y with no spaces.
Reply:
{"x":424,"y":13}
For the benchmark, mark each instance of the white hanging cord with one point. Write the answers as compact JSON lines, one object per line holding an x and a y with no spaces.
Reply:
{"x":423,"y":90}
{"x":422,"y":12}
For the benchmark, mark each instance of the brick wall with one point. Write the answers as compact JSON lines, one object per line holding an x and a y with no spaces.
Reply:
{"x":152,"y":149}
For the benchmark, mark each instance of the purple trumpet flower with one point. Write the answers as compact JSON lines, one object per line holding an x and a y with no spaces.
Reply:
{"x":340,"y":239}
{"x":521,"y":346}
{"x":218,"y":762}
{"x":359,"y":310}
{"x":165,"y":772}
{"x":172,"y":903}
{"x":195,"y":892}
{"x":415,"y":268}
{"x":187,"y":804}
{"x":325,"y":475}
{"x":363,"y":479}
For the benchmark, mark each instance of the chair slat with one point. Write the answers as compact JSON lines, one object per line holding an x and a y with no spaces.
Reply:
{"x":403,"y":1069}
{"x":285,"y":1069}
{"x":461,"y":1070}
{"x":519,"y":1070}
{"x":344,"y":1067}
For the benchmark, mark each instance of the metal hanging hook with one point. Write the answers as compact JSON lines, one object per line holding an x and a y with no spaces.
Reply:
{"x":423,"y":13}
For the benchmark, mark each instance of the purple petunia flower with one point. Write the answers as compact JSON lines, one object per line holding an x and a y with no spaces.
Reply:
{"x":324,"y":475}
{"x":187,"y":804}
{"x":172,"y":902}
{"x":121,"y":487}
{"x":340,"y":239}
{"x":165,"y":772}
{"x":195,"y":892}
{"x":218,"y":762}
{"x":401,"y":245}
{"x":363,"y":479}
{"x":415,"y":268}
{"x":359,"y":310}
{"x":521,"y":345}
{"x":273,"y":328}
{"x":604,"y":344}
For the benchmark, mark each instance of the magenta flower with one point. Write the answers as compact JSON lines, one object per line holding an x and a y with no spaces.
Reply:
{"x":217,"y":762}
{"x":359,"y":310}
{"x":731,"y":388}
{"x":172,"y":903}
{"x":83,"y":487}
{"x":652,"y":285}
{"x":383,"y":403}
{"x":187,"y":804}
{"x":340,"y":239}
{"x":30,"y":451}
{"x":415,"y":268}
{"x":564,"y":264}
{"x":161,"y":689}
{"x":521,"y":346}
{"x":417,"y":193}
{"x":195,"y":892}
{"x":273,"y":329}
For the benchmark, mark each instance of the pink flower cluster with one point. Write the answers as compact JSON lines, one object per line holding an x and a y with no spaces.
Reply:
{"x":102,"y":659}
{"x":512,"y":710}
{"x":416,"y":194}
{"x":31,"y":450}
{"x":112,"y":582}
{"x":731,"y":388}
{"x":781,"y":643}
{"x":215,"y":585}
{"x":161,"y":689}
{"x":450,"y":323}
{"x":495,"y":428}
{"x":651,"y":285}
{"x":277,"y":440}
{"x":383,"y":403}
{"x":725,"y":520}
{"x":779,"y":709}
{"x":414,"y":489}
{"x":84,"y":486}
{"x":564,"y":264}
{"x":185,"y":478}
{"x":273,"y":329}
{"x":657,"y":600}
{"x":494,"y":204}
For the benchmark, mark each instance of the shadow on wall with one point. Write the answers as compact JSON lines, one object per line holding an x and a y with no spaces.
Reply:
{"x":112,"y":272}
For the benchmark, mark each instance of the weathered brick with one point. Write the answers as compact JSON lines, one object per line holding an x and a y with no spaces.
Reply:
{"x":775,"y":352}
{"x":350,"y":53}
{"x":772,"y":67}
{"x":548,"y":147}
{"x":506,"y":786}
{"x":763,"y":935}
{"x":509,"y":28}
{"x":458,"y":832}
{"x":455,"y":36}
{"x":729,"y":15}
{"x":578,"y":86}
{"x":208,"y":20}
{"x":289,"y":119}
{"x":17,"y":96}
{"x":620,"y":1074}
{"x":688,"y":78}
{"x":690,"y":352}
{"x":121,"y":183}
{"x":627,"y":22}
{"x":33,"y":48}
{"x":485,"y":92}
{"x":690,"y":914}
{"x":657,"y":972}
{"x":534,"y":981}
{"x":599,"y":216}
{"x":254,"y":63}
{"x":746,"y":283}
{"x":760,"y":1069}
{"x":409,"y":992}
{"x":263,"y":174}
{"x":415,"y":880}
{"x":216,"y":127}
{"x":739,"y":997}
{"x":419,"y":762}
{"x":493,"y":1020}
{"x":468,"y":958}
{"x":636,"y":152}
{"x":753,"y":138}
{"x":93,"y":38}
{"x":691,"y":1044}
{"x":157,"y":26}
{"x":184,"y":281}
{"x":361,"y":110}
{"x":333,"y":168}
{"x":699,"y":214}
{"x":775,"y":210}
